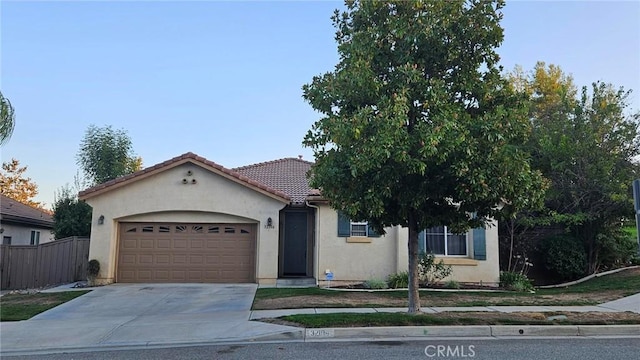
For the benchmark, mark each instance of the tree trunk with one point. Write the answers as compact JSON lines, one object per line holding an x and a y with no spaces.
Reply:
{"x":414,"y":295}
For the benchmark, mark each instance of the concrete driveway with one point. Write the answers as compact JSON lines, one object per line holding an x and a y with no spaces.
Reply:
{"x":142,"y":314}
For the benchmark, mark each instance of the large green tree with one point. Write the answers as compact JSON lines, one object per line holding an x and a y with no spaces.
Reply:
{"x":587,"y":143}
{"x":106,"y":153}
{"x":7,"y":119}
{"x":419,"y":128}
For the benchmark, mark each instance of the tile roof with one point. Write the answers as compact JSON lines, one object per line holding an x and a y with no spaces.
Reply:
{"x":231,"y":174}
{"x":15,"y":211}
{"x":288,"y":175}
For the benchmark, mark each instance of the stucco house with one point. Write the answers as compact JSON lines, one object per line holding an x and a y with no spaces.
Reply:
{"x":21,"y":224}
{"x":189,"y":219}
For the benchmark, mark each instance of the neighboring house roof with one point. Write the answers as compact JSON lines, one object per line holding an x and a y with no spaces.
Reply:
{"x":179,"y":160}
{"x":17,"y":212}
{"x":288,"y":175}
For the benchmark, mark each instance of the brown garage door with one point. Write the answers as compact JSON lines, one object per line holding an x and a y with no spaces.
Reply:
{"x":176,"y":252}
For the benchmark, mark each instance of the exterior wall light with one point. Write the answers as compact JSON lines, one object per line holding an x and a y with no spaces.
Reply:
{"x":269,"y":222}
{"x":101,"y":220}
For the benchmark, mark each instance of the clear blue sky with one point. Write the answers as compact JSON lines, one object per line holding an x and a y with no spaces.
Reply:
{"x":223,"y":79}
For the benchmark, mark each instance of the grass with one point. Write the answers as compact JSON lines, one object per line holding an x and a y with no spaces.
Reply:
{"x":404,"y":319}
{"x":590,"y":292}
{"x":16,"y":307}
{"x":276,"y":293}
{"x":623,"y":280}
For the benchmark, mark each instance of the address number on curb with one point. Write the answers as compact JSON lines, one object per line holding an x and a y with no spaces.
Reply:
{"x":320,"y":333}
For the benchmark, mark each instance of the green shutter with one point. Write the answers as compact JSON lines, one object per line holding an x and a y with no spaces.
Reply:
{"x":479,"y":244}
{"x":422,"y":244}
{"x":344,"y":225}
{"x":371,"y":232}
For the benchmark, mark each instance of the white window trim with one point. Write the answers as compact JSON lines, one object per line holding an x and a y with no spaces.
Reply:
{"x":35,"y":240}
{"x":359,"y":223}
{"x":446,"y":239}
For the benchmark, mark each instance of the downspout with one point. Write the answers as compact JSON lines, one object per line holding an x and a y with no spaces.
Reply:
{"x":316,"y":240}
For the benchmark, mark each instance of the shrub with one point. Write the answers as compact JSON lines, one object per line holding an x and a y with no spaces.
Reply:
{"x":375,"y":284}
{"x":616,"y":248}
{"x":515,"y":281}
{"x":452,"y":284}
{"x":93,"y":269}
{"x":430,"y":271}
{"x":564,"y":257}
{"x":398,"y":280}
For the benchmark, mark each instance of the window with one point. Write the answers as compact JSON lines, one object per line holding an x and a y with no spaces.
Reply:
{"x":35,"y":237}
{"x":359,"y":228}
{"x":440,"y":241}
{"x":6,"y":240}
{"x":348,"y":228}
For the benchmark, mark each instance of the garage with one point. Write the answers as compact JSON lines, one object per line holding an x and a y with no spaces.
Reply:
{"x":186,"y":253}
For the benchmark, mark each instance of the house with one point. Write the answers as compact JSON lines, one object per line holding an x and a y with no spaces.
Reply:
{"x":189,"y":219}
{"x":21,"y":224}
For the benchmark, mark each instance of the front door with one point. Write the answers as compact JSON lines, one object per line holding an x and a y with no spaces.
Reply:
{"x":295,"y":244}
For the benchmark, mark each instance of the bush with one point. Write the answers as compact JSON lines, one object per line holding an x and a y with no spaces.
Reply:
{"x":616,"y":248}
{"x":430,"y":271}
{"x":93,"y":269}
{"x":452,"y":284}
{"x":515,"y":281}
{"x":398,"y":280}
{"x":564,"y":257}
{"x":375,"y":284}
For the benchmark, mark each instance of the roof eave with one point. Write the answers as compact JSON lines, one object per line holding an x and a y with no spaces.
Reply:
{"x":192,"y":158}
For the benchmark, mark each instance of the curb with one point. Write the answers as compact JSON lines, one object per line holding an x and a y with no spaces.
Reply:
{"x":475,"y":331}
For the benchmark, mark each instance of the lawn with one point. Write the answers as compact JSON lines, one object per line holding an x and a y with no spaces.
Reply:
{"x":592,"y":292}
{"x":454,"y":318}
{"x":16,"y":307}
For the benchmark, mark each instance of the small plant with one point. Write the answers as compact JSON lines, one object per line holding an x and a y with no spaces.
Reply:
{"x":430,"y":271}
{"x":398,"y":280}
{"x":93,"y":269}
{"x":515,"y":281}
{"x":375,"y":284}
{"x":452,"y":284}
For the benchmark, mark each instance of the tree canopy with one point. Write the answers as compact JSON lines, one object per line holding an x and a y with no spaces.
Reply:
{"x":106,"y":153}
{"x":71,"y":216}
{"x":15,"y":185}
{"x":586,"y":142}
{"x":7,"y":119}
{"x":419,"y":128}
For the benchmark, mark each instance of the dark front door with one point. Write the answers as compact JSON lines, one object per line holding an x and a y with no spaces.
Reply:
{"x":294,"y":262}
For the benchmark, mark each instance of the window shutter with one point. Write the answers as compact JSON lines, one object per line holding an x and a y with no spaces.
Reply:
{"x":479,"y":244}
{"x":422,"y":244}
{"x":371,"y":232}
{"x":344,"y":225}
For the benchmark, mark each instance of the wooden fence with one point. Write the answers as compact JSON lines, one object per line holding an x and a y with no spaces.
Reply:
{"x":33,"y":266}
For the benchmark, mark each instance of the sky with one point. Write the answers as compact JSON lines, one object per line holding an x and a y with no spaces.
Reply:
{"x":224,"y":79}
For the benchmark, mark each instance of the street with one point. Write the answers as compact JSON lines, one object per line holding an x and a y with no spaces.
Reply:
{"x":503,"y":349}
